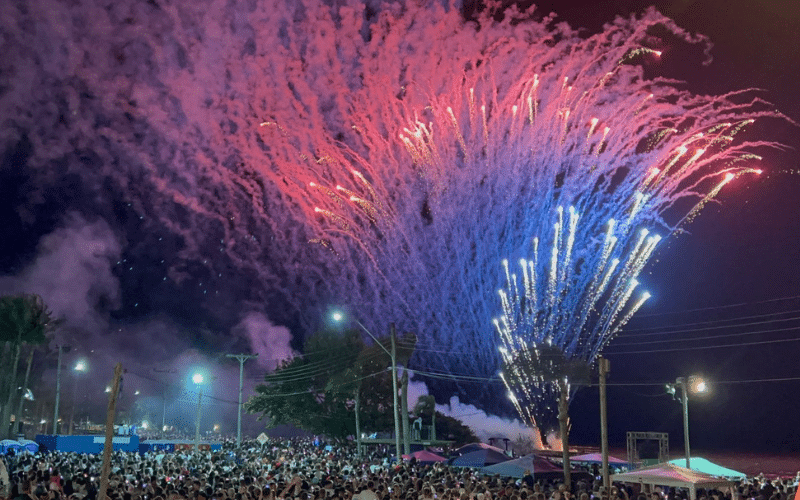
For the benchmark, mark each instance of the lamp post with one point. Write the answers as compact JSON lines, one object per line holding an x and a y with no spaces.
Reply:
{"x":696,"y":385}
{"x":164,"y":398}
{"x":197,"y":378}
{"x":337,"y":316}
{"x":80,"y":367}
{"x":58,"y":390}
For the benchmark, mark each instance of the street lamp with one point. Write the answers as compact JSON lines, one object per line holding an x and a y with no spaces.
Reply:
{"x":80,"y":367}
{"x":197,"y":378}
{"x":338,"y":316}
{"x":696,"y":385}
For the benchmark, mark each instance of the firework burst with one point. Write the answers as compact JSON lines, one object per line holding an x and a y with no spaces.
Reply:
{"x":389,"y":160}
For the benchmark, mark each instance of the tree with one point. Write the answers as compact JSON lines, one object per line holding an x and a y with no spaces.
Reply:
{"x":24,"y":319}
{"x":426,"y":406}
{"x":452,"y":429}
{"x":322,"y":390}
{"x":548,"y":364}
{"x":443,"y":426}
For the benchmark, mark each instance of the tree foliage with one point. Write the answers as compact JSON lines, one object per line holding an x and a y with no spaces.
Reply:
{"x":451,"y":429}
{"x":316,"y":392}
{"x":24,"y":319}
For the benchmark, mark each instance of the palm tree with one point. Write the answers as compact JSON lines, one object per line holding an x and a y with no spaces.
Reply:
{"x":548,"y":364}
{"x":24,"y":319}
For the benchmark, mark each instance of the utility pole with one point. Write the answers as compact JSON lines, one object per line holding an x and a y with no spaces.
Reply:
{"x":404,"y":411}
{"x":109,"y":441}
{"x":58,"y":391}
{"x":242,"y":358}
{"x":563,"y":421}
{"x":685,"y":400}
{"x":604,"y":367}
{"x":394,"y":391}
{"x":393,"y":354}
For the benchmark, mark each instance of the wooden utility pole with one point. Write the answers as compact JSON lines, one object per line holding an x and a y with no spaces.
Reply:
{"x":357,"y":398}
{"x":109,"y":444}
{"x":685,"y":400}
{"x":404,"y":412}
{"x":394,"y":391}
{"x":604,"y":366}
{"x":563,"y":421}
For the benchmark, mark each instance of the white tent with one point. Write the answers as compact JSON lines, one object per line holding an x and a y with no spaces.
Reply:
{"x":709,"y":467}
{"x":667,"y":474}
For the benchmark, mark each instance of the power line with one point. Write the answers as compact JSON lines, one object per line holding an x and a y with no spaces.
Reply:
{"x":727,"y":306}
{"x":307,"y":391}
{"x":744,"y":344}
{"x":709,"y":337}
{"x":633,"y":333}
{"x":281,"y":377}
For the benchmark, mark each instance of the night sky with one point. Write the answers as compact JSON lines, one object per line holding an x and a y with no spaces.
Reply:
{"x":133,"y":289}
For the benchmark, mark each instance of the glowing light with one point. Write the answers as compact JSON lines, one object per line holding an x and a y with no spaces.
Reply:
{"x":197,"y":378}
{"x":697,"y":385}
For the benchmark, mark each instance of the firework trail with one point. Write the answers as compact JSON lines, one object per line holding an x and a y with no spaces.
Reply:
{"x":387,"y":160}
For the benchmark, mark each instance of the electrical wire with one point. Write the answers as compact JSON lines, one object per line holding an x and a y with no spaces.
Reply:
{"x":309,"y":390}
{"x":306,"y":371}
{"x":677,"y":349}
{"x":709,"y":337}
{"x":633,"y":332}
{"x":727,"y":306}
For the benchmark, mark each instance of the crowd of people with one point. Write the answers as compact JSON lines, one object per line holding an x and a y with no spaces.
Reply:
{"x":303,"y":469}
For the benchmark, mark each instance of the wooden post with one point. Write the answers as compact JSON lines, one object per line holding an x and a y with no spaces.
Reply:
{"x":357,"y":397}
{"x":563,"y":420}
{"x":604,"y":367}
{"x":109,"y":444}
{"x":393,"y":354}
{"x":404,"y":412}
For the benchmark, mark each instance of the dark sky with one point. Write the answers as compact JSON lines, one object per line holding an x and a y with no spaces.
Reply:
{"x":72,"y":233}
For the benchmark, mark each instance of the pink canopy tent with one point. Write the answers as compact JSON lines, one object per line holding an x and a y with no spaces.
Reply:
{"x":597,"y":457}
{"x":533,"y":463}
{"x":469,"y":448}
{"x":425,"y":457}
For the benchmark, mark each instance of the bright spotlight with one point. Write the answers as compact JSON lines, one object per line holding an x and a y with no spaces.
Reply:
{"x":337,"y":316}
{"x":197,"y":378}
